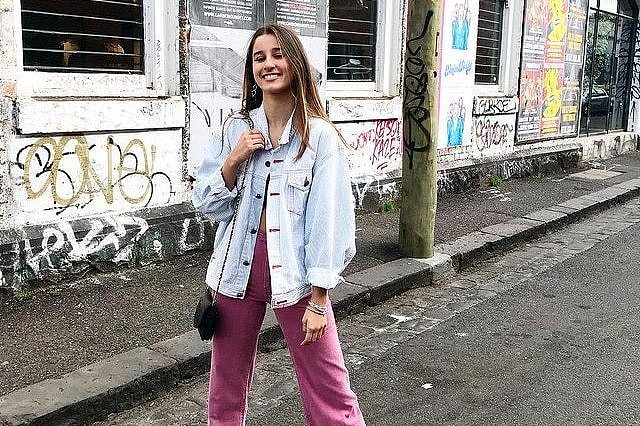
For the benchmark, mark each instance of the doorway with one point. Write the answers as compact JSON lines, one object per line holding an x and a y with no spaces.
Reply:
{"x":608,"y":66}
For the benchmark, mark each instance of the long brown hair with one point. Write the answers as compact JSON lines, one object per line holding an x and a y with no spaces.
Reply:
{"x":303,"y":86}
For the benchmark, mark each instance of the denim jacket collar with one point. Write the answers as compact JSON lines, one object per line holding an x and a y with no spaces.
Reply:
{"x":259,"y":118}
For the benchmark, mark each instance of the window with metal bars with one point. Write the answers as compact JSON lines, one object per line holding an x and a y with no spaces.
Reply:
{"x":83,"y":36}
{"x":489,"y":41}
{"x":352,"y":40}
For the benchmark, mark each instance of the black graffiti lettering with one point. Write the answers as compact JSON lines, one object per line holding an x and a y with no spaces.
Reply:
{"x":417,"y":137}
{"x":488,"y":134}
{"x":495,"y":106}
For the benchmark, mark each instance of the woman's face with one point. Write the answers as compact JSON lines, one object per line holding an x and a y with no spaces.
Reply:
{"x":270,"y":67}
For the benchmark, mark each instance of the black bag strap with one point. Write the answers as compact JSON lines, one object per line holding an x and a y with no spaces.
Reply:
{"x":235,"y":210}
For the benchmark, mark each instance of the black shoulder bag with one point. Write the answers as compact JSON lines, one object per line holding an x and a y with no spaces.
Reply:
{"x":206,"y":316}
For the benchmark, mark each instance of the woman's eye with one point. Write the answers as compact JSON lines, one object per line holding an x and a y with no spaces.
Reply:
{"x":258,"y":59}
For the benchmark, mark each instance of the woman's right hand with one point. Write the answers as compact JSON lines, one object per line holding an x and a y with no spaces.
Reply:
{"x":249,"y":142}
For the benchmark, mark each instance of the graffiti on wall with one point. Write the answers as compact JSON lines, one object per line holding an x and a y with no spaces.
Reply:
{"x":375,"y":154}
{"x":376,"y":147}
{"x":110,"y":239}
{"x":66,"y":169}
{"x":495,"y":106}
{"x":494,"y":125}
{"x":380,"y":143}
{"x":94,"y":173}
{"x":494,"y":134}
{"x":635,"y":85}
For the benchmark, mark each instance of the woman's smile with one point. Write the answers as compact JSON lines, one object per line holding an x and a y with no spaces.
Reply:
{"x":270,"y":67}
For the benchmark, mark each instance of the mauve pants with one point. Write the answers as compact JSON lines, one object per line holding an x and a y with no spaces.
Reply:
{"x":322,"y":377}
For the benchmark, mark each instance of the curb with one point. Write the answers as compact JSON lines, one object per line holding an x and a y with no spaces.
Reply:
{"x":131,"y":378}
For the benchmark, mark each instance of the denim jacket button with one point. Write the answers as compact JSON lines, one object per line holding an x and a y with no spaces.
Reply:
{"x":267,"y":163}
{"x":258,"y":196}
{"x":253,"y":231}
{"x":245,"y":263}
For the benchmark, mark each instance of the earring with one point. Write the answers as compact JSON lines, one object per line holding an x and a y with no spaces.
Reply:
{"x":254,"y":90}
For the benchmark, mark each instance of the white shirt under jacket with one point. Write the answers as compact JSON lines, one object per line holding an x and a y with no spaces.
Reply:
{"x":310,"y":217}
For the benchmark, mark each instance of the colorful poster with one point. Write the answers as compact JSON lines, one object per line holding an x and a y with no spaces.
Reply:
{"x":551,"y":72}
{"x":219,"y":38}
{"x":457,"y":73}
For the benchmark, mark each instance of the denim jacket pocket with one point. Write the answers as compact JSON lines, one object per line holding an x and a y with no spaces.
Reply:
{"x":298,"y":185}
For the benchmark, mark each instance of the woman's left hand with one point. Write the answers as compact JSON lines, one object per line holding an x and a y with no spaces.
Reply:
{"x":313,"y":325}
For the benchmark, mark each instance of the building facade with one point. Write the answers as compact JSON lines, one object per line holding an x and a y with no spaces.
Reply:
{"x":105,"y":107}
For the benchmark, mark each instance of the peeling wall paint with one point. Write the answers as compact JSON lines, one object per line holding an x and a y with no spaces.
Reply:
{"x":56,"y":116}
{"x":6,"y":109}
{"x":601,"y":147}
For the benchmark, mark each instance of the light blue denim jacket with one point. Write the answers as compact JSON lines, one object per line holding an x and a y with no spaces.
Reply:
{"x":310,"y":218}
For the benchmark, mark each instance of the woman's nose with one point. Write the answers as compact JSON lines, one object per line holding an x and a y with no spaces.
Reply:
{"x":269,"y":63}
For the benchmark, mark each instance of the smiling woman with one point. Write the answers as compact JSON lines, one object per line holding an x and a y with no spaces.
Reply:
{"x":277,"y":181}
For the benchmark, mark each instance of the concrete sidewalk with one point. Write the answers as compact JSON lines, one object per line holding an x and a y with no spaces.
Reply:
{"x":74,"y":353}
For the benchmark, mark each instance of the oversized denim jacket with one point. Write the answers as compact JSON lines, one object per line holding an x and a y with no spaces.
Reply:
{"x":310,"y":219}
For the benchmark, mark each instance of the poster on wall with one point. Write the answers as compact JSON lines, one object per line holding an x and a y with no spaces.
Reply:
{"x":551,"y":72}
{"x":220,"y":35}
{"x":457,"y":73}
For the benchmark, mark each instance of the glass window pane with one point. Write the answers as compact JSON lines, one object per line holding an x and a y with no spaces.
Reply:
{"x":489,"y":41}
{"x":82,"y":36}
{"x":628,"y":8}
{"x":610,"y":6}
{"x":352,"y":40}
{"x":586,"y":83}
{"x":621,"y":73}
{"x":601,"y":74}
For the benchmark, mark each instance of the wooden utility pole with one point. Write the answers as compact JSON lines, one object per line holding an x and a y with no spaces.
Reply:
{"x":419,"y":162}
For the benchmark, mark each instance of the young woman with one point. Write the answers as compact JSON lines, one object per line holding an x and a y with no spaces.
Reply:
{"x":280,"y":169}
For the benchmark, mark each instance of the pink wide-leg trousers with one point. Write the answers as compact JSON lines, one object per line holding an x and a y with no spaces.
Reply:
{"x":322,"y":377}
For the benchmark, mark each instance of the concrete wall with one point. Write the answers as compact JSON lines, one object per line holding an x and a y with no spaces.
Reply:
{"x":92,"y":165}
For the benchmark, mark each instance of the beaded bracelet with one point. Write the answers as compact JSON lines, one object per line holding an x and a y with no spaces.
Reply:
{"x":315,"y":308}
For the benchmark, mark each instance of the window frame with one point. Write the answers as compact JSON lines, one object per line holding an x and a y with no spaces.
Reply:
{"x":153,"y":82}
{"x":386,"y":82}
{"x":501,"y":49}
{"x":509,"y":68}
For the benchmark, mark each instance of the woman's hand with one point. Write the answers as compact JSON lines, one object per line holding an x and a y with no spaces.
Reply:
{"x":249,"y":142}
{"x":313,"y":325}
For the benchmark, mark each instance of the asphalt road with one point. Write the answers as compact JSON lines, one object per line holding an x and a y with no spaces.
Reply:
{"x":545,"y":335}
{"x":558,"y":349}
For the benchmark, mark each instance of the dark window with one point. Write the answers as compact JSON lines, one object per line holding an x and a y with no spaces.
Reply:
{"x":628,"y":8}
{"x":352,"y":40}
{"x":83,"y":36}
{"x":489,"y":41}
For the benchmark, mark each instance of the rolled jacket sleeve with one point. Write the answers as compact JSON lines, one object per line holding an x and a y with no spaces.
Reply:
{"x":210,"y":194}
{"x":329,"y":217}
